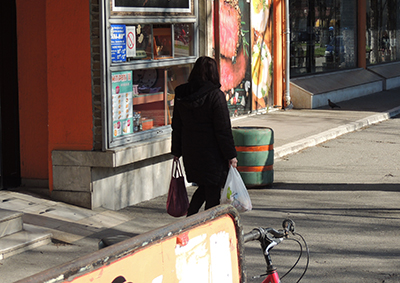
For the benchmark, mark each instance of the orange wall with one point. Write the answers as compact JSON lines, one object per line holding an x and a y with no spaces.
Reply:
{"x":55,"y":82}
{"x":69,"y":76}
{"x":32,"y":85}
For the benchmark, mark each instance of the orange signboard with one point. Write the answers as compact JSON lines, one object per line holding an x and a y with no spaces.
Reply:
{"x":207,"y":253}
{"x":206,"y":247}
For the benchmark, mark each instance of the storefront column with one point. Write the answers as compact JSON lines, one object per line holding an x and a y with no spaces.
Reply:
{"x":278,"y":37}
{"x":70,"y":115}
{"x":362,"y":26}
{"x":32,"y":88}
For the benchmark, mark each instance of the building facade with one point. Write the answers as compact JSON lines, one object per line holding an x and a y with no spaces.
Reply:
{"x":96,"y":78}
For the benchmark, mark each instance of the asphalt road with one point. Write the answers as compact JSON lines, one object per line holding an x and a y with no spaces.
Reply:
{"x":344,"y":197}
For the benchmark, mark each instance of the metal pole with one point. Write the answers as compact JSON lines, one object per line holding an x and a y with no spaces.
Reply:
{"x":217,"y":34}
{"x":287,"y":77}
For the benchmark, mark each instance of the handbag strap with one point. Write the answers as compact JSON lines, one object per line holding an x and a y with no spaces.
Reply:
{"x":178,"y":169}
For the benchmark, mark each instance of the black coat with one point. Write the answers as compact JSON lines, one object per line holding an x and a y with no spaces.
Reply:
{"x":201,"y":132}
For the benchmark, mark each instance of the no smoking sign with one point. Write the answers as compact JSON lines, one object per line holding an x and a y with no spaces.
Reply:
{"x":130,"y":42}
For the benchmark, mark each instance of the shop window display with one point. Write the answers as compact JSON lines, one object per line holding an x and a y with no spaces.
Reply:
{"x":147,"y":41}
{"x":147,"y":100}
{"x":144,"y":99}
{"x":143,"y":42}
{"x":323,"y":36}
{"x":383,"y":25}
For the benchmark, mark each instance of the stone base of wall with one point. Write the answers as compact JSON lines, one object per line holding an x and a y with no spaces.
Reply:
{"x":112,"y":179}
{"x":390,"y":72}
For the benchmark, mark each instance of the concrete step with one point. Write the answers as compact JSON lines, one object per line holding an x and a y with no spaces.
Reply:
{"x":311,"y":92}
{"x":29,"y":238}
{"x":10,"y":222}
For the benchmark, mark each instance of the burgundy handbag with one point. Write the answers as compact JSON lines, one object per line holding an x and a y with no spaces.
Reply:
{"x":178,"y":201}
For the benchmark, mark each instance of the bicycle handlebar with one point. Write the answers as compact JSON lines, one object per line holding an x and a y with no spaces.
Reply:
{"x":257,"y":234}
{"x":276,"y":234}
{"x":252,"y":236}
{"x":270,"y":233}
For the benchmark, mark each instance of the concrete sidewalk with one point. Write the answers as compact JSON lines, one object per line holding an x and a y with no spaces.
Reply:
{"x":77,"y":231}
{"x":297,"y":129}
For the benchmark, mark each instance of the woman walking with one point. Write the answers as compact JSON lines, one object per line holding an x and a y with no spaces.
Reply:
{"x":202,"y":134}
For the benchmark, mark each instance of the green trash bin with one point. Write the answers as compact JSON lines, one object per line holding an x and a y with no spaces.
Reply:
{"x":255,"y":154}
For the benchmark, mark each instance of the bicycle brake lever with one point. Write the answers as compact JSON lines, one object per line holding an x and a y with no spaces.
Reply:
{"x":274,"y":242}
{"x":274,"y":236}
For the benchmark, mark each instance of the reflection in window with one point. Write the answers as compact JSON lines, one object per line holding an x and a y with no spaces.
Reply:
{"x":382,"y":26}
{"x":162,"y":41}
{"x":183,"y":43}
{"x":176,"y":75}
{"x":323,"y":35}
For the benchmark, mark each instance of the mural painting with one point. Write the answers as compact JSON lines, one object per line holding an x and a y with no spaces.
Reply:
{"x":261,"y":59}
{"x":246,"y":54}
{"x":235,"y":55}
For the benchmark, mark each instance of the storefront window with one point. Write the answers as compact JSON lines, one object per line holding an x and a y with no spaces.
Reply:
{"x":145,"y":99}
{"x":148,"y":41}
{"x":383,"y":27}
{"x":323,"y":36}
{"x":146,"y":57}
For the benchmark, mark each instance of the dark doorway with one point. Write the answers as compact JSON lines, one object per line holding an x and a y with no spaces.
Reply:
{"x":9,"y":118}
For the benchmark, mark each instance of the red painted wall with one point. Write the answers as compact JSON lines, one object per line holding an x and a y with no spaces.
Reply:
{"x":60,"y":104}
{"x":69,"y":76}
{"x":32,"y":84}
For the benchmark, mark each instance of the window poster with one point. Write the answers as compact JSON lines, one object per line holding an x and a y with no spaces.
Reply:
{"x":118,"y":43}
{"x":122,"y":108}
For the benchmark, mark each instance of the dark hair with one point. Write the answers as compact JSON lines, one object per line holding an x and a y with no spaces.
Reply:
{"x":205,"y":69}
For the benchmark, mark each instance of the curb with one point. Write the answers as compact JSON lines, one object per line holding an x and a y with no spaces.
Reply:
{"x":314,"y":140}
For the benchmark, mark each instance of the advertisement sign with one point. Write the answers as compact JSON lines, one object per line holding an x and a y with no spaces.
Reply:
{"x":122,"y":108}
{"x":118,"y":43}
{"x":206,"y":247}
{"x":206,"y":253}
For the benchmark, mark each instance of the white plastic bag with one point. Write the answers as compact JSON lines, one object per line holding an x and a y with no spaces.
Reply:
{"x":235,"y":192}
